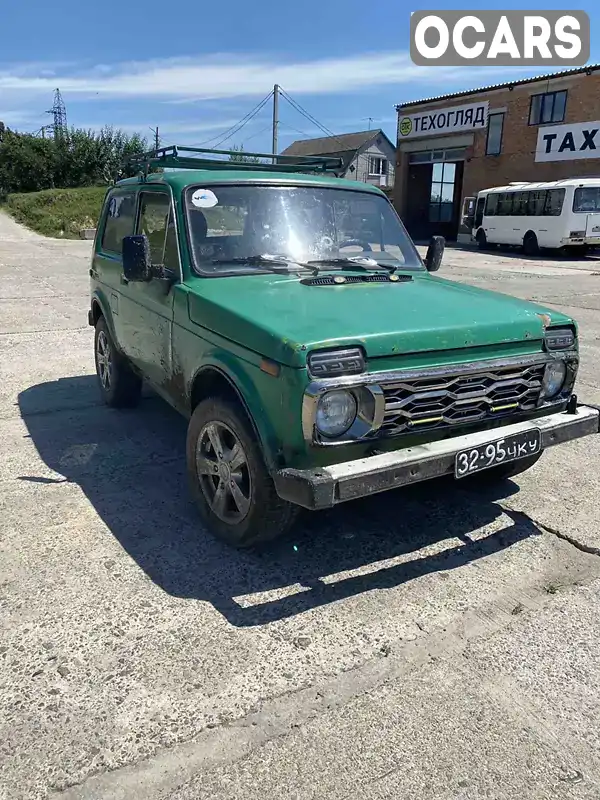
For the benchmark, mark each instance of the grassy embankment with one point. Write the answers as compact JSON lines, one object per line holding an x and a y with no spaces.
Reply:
{"x":61,"y":213}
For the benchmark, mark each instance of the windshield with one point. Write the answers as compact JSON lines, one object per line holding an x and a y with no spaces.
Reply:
{"x":587,"y":199}
{"x":303,"y":223}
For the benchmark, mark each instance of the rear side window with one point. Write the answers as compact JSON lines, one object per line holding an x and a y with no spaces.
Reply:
{"x":120,"y":220}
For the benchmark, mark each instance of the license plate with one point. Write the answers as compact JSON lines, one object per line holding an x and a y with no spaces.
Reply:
{"x":490,"y":454}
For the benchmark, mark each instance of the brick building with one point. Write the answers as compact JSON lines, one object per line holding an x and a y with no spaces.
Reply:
{"x":452,"y":146}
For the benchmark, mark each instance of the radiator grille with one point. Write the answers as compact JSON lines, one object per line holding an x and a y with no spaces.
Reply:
{"x":446,"y":400}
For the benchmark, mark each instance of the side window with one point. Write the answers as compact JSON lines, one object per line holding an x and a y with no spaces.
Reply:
{"x":491,"y":205}
{"x":120,"y":219}
{"x":520,"y":204}
{"x":156,"y":221}
{"x":554,"y":202}
{"x":505,"y":204}
{"x":535,"y":205}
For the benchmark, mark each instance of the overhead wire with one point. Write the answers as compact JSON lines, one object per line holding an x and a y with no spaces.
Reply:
{"x":262,"y":130}
{"x":309,"y":116}
{"x":223,"y":136}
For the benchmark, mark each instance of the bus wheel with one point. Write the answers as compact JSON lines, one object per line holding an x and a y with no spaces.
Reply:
{"x":530,"y":244}
{"x":481,"y":239}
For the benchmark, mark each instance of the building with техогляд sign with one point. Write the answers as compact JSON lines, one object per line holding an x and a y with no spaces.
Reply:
{"x":450,"y":147}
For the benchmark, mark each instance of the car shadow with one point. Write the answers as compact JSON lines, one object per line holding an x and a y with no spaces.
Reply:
{"x":131,"y":467}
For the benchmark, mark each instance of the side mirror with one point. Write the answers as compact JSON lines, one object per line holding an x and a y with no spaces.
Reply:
{"x":435,"y":251}
{"x":137,"y":265}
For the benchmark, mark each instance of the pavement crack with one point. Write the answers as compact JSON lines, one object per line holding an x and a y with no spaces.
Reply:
{"x":583,"y":548}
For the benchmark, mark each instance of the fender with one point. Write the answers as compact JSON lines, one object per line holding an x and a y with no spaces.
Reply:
{"x":239,"y":376}
{"x":100,"y":298}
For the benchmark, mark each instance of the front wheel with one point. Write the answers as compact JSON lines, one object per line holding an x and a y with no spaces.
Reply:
{"x":481,"y":239}
{"x":229,"y":481}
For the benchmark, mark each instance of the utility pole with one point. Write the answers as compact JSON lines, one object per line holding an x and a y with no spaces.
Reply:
{"x":275,"y":121}
{"x":156,"y":137}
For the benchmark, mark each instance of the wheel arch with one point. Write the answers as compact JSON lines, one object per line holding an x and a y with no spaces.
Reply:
{"x":100,"y":307}
{"x":213,"y":380}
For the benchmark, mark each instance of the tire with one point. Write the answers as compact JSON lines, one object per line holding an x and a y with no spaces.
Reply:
{"x":530,"y":244}
{"x":119,"y":385}
{"x":504,"y":472}
{"x":251,"y":514}
{"x":481,"y":239}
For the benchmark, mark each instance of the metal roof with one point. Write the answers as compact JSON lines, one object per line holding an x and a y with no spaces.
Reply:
{"x":577,"y":70}
{"x":327,"y":145}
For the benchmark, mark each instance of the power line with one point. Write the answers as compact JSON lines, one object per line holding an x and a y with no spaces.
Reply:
{"x":224,"y":135}
{"x":296,"y":130}
{"x":310,"y":118}
{"x":262,"y":130}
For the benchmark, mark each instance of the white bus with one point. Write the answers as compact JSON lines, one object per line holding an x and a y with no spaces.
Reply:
{"x":555,"y":214}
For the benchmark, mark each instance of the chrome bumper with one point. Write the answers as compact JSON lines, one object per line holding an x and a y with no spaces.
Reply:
{"x":325,"y":487}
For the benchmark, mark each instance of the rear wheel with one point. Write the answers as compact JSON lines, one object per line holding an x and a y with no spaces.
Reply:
{"x":119,"y":385}
{"x":229,"y":481}
{"x":530,"y":244}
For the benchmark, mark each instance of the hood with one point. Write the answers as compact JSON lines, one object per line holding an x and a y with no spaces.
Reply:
{"x":282,"y":319}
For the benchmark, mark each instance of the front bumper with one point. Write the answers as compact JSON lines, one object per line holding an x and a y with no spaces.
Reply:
{"x":327,"y":486}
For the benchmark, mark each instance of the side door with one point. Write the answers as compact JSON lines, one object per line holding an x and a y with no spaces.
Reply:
{"x":147,"y":308}
{"x":117,"y":221}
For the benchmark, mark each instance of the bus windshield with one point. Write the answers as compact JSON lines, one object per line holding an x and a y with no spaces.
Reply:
{"x":587,"y":199}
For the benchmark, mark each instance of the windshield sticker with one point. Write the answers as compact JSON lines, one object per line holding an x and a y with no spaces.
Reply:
{"x":204,"y":198}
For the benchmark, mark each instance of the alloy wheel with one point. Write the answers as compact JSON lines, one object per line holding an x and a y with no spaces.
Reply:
{"x":104,"y":360}
{"x":223,"y":472}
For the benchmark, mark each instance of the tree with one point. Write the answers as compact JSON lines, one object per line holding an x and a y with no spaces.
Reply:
{"x":239,"y":155}
{"x":76,"y":158}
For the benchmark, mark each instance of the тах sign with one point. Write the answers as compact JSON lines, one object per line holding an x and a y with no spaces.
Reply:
{"x":441,"y":121}
{"x":568,"y":142}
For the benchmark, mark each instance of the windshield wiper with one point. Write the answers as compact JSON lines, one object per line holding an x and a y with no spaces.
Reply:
{"x":365,"y":264}
{"x":269,"y":262}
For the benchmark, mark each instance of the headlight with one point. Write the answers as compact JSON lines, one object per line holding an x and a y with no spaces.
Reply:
{"x":554,"y":378}
{"x":336,"y":411}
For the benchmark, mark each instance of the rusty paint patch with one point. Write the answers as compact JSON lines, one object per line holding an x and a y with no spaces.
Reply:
{"x":546,"y":320}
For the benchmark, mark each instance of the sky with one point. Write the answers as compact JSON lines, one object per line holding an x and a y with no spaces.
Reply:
{"x":195,"y":69}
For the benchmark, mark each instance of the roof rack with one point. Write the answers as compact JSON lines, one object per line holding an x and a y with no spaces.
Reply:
{"x":175,"y":157}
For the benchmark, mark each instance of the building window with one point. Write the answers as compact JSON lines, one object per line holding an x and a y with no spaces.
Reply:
{"x":441,"y":203}
{"x":425,"y":156}
{"x":494,"y":136}
{"x":549,"y":107}
{"x":378,"y":166}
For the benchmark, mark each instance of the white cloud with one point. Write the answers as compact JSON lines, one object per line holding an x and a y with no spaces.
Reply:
{"x":222,"y":76}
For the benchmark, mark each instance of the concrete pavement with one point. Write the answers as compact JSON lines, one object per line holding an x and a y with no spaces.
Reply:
{"x":436,"y":643}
